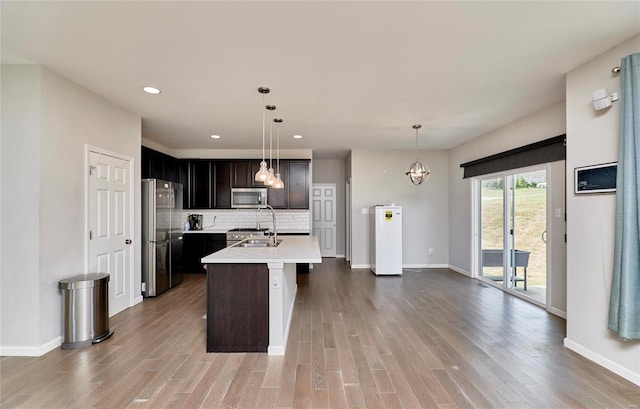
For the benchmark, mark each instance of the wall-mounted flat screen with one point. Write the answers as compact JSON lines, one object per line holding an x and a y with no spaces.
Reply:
{"x":596,"y":178}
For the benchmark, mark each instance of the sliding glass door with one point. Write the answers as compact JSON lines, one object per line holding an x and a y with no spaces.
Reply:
{"x":511,"y":247}
{"x":492,"y":228}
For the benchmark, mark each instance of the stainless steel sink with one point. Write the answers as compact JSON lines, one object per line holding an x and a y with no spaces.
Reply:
{"x":258,"y":243}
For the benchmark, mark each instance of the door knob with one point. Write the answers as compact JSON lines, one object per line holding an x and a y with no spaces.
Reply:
{"x":127,"y":241}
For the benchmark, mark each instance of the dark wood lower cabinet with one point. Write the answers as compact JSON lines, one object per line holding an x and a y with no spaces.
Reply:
{"x":237,"y":308}
{"x":198,"y":245}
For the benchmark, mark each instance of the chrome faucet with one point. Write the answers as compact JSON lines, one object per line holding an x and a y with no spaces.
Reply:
{"x":273,"y":240}
{"x":257,"y":218}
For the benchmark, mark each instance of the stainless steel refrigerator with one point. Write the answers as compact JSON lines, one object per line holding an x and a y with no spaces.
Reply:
{"x":162,"y":227}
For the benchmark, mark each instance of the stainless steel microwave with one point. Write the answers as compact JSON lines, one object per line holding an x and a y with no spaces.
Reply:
{"x":248,"y":197}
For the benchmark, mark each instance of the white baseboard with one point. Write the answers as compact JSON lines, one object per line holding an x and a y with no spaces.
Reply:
{"x":360,"y":265}
{"x":602,"y":361}
{"x":31,"y":351}
{"x":340,"y":256}
{"x":558,"y":312}
{"x":459,"y":270}
{"x":406,"y":266}
{"x":278,"y":351}
{"x":425,"y":266}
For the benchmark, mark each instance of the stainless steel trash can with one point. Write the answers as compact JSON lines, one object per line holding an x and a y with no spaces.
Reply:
{"x":85,"y":310}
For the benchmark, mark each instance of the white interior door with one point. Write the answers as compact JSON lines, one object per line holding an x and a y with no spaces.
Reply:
{"x":323,"y":199}
{"x":109,"y":208}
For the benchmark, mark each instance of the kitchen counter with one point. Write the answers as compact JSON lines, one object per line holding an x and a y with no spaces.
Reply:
{"x":224,"y":230}
{"x":233,"y":309}
{"x":293,"y":249}
{"x":209,"y":230}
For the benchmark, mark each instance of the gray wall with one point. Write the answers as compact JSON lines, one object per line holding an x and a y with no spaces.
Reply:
{"x":47,"y":121}
{"x":592,"y":138}
{"x":544,"y":124}
{"x":19,"y":212}
{"x":333,"y":171}
{"x":378,"y":178}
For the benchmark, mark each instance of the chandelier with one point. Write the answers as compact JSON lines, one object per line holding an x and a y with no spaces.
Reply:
{"x":417,"y":172}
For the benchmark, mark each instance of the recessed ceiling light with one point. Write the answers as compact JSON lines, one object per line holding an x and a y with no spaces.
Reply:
{"x":297,"y":136}
{"x":151,"y":90}
{"x":215,"y":136}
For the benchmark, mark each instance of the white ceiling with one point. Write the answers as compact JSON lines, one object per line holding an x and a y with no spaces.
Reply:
{"x":345,"y":75}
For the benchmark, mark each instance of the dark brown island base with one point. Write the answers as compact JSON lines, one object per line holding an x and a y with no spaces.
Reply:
{"x":251,"y":294}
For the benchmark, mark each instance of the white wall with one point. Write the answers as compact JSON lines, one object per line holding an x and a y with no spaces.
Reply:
{"x":69,"y":118}
{"x":556,"y":244}
{"x":20,"y":184}
{"x":378,"y":178}
{"x":333,"y":171}
{"x":592,"y":138}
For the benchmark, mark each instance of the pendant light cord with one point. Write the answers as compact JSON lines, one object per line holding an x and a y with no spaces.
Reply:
{"x":270,"y":144}
{"x":416,"y":144}
{"x":264,"y":114}
{"x":278,"y":151}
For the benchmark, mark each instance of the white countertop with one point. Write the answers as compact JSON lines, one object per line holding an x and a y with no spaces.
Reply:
{"x":209,"y":230}
{"x":224,"y":230}
{"x":293,"y":249}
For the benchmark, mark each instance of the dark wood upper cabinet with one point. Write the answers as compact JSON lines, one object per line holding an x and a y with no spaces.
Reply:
{"x":207,"y":183}
{"x":170,"y":169}
{"x":255,"y":167}
{"x":278,"y":198}
{"x":201,"y":195}
{"x":183,"y":178}
{"x":222,"y":193}
{"x":145,"y":162}
{"x":157,"y":165}
{"x":241,"y":174}
{"x":298,"y":184}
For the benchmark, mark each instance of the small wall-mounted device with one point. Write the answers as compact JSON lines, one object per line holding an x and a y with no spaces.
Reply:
{"x":596,"y":178}
{"x":602,"y":99}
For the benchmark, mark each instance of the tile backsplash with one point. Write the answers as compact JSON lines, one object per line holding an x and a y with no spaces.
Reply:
{"x":290,"y":221}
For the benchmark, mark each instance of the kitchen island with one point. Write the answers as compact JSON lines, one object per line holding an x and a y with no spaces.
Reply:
{"x":251,"y":293}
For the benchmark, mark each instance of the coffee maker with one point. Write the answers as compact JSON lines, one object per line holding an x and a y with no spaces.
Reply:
{"x":195,"y":221}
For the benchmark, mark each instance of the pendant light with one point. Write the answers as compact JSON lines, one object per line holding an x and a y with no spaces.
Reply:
{"x":271,"y":177}
{"x":262,"y":173}
{"x":418,"y":172}
{"x":278,"y":184}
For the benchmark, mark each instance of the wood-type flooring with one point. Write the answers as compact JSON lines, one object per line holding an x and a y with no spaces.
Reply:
{"x":430,"y":339}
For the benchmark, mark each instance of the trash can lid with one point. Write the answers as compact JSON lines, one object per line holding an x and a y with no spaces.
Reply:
{"x":83,"y":281}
